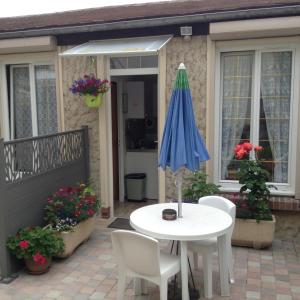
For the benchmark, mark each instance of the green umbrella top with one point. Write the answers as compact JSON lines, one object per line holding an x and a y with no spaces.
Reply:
{"x":181,"y":78}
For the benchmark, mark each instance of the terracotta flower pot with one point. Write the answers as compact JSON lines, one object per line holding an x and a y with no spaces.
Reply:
{"x":37,"y":269}
{"x":93,"y":101}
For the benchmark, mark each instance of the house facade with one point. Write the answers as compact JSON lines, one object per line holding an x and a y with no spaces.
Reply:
{"x":242,"y":58}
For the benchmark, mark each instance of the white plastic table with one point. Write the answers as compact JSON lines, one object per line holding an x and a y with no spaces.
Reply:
{"x":199,"y":222}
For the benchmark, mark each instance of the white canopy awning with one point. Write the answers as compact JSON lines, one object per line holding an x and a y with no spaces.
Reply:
{"x":117,"y":47}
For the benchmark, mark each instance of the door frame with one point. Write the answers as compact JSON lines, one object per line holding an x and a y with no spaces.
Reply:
{"x":105,"y":129}
{"x":119,"y":79}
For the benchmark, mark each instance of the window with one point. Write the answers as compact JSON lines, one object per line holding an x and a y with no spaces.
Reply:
{"x":134,"y":62}
{"x":255,"y":104}
{"x":31,"y":100}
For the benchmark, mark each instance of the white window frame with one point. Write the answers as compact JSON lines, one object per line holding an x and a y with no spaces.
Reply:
{"x":258,"y":46}
{"x":46,"y":58}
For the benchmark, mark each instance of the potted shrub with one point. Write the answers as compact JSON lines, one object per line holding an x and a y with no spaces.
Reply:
{"x":198,"y":187}
{"x":71,"y":213}
{"x":255,"y":224}
{"x":36,"y":246}
{"x":91,"y":88}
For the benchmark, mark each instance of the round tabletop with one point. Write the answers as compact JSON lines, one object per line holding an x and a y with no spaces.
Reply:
{"x":198,"y":222}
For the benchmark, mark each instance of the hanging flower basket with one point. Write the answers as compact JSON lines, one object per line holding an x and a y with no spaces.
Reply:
{"x":91,"y":88}
{"x":93,"y":101}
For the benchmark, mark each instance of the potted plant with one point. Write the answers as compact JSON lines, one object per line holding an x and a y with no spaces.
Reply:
{"x":91,"y":88}
{"x":71,"y":213}
{"x":255,"y":224}
{"x":36,"y":246}
{"x":198,"y":187}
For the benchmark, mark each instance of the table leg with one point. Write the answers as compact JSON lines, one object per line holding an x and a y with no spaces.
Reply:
{"x":137,"y":286}
{"x":223,"y":265}
{"x":184,"y":270}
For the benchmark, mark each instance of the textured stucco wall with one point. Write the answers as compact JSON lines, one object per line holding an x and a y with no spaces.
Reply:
{"x":76,"y":114}
{"x":194,"y":55}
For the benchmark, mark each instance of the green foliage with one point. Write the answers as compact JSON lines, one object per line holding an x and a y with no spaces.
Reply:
{"x":253,"y":178}
{"x":198,"y":187}
{"x":31,"y":241}
{"x":71,"y":205}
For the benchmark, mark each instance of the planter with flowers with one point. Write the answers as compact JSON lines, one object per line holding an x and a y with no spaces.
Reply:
{"x":71,"y":213}
{"x":91,"y":88}
{"x":36,"y":246}
{"x":255,"y":224}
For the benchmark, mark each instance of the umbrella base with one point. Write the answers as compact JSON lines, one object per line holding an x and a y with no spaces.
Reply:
{"x":174,"y":293}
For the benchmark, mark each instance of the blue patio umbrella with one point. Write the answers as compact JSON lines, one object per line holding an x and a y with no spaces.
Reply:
{"x":182,"y":145}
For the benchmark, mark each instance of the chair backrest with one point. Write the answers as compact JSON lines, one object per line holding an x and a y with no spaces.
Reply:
{"x":137,"y":252}
{"x":220,"y":203}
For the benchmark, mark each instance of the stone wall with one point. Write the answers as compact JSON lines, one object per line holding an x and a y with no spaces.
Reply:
{"x":76,"y":114}
{"x":194,"y":55}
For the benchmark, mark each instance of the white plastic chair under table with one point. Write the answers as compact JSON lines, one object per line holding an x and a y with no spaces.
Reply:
{"x":139,"y":256}
{"x":209,"y":246}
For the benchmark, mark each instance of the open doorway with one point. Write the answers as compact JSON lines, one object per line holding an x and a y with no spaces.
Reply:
{"x":135,"y":142}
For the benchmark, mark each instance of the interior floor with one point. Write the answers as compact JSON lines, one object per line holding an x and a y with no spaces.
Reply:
{"x":124,"y":209}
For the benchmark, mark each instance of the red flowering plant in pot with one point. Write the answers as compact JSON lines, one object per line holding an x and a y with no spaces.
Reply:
{"x":37,"y":246}
{"x":91,"y":88}
{"x":70,"y":212}
{"x":69,"y":206}
{"x":253,"y":177}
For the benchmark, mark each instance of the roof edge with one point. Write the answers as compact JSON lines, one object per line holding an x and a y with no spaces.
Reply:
{"x":231,"y":15}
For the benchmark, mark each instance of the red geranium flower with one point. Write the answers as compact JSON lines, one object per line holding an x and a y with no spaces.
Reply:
{"x":241,"y":153}
{"x":39,"y":258}
{"x":24,"y":244}
{"x":247,"y":146}
{"x":238,"y":147}
{"x":258,"y":148}
{"x":90,"y":212}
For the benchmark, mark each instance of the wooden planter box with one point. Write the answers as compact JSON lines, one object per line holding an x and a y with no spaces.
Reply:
{"x":72,"y":239}
{"x":250,"y":233}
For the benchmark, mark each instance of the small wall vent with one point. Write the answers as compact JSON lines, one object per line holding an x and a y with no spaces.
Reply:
{"x":186,"y":30}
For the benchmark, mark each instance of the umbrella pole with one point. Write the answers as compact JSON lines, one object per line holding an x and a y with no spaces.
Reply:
{"x":179,"y":187}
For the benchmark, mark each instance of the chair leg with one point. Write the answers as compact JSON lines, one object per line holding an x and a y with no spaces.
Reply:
{"x":144,"y":287}
{"x":195,"y":258}
{"x":207,"y":274}
{"x":163,"y":289}
{"x":230,"y":260}
{"x":121,"y":285}
{"x":230,"y":265}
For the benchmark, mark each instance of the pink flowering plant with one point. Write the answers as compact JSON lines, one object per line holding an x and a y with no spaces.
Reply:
{"x":35,"y":243}
{"x":69,"y":206}
{"x":90,"y":85}
{"x":253,"y":177}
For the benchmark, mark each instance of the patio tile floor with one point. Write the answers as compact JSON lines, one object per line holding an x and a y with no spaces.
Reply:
{"x":91,"y":272}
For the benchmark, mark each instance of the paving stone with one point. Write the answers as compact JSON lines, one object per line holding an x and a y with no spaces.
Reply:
{"x":252,"y":295}
{"x":283,"y":297}
{"x":91,"y":273}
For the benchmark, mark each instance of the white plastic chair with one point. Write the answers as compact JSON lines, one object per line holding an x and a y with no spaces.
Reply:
{"x":138,"y":256}
{"x":207,"y":247}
